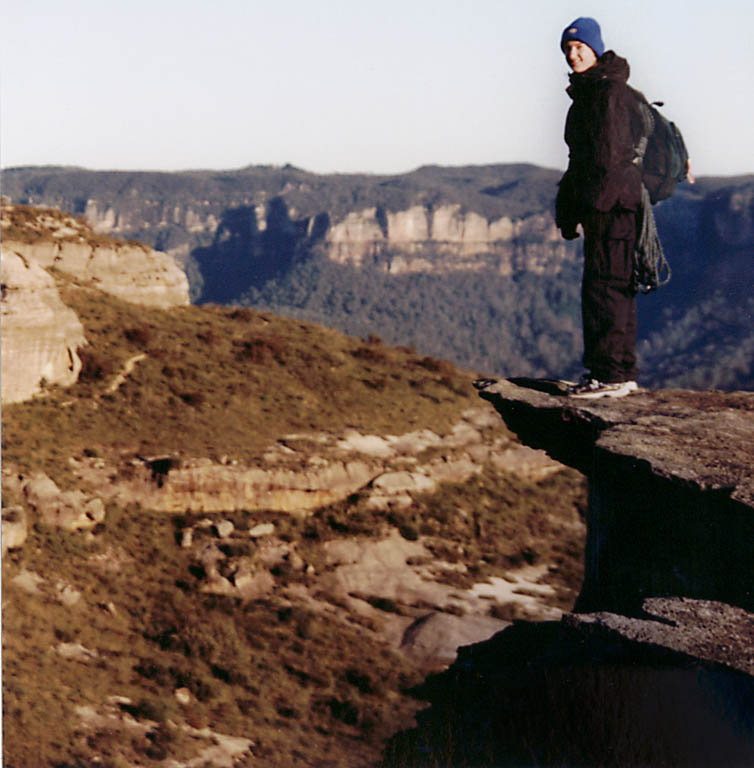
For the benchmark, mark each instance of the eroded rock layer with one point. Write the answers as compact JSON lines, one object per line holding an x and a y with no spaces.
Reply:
{"x":40,"y":334}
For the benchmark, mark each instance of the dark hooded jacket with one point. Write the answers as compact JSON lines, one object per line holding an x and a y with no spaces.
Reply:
{"x":603,"y":128}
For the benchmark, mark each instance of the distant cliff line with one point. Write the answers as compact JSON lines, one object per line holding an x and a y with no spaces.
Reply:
{"x":464,"y":262}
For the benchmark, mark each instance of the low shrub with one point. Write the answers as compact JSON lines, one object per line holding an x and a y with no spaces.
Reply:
{"x":94,"y":367}
{"x":140,"y":335}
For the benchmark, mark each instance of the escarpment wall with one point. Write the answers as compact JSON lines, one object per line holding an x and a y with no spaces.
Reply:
{"x":430,"y":221}
{"x":477,"y":244}
{"x":447,"y":238}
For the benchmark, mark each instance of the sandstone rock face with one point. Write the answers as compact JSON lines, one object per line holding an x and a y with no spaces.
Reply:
{"x":132,"y":272}
{"x":40,"y":334}
{"x":671,"y":500}
{"x":422,"y":239}
{"x":408,"y":236}
{"x":386,"y":468}
{"x":207,"y":487}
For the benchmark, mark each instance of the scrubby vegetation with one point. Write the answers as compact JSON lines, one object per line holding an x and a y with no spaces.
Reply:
{"x":304,"y":691}
{"x":113,"y":626}
{"x":221,"y":382}
{"x":307,"y":689}
{"x":528,"y":325}
{"x":32,"y":225}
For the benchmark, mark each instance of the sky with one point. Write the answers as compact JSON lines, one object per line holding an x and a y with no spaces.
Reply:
{"x":352,"y":86}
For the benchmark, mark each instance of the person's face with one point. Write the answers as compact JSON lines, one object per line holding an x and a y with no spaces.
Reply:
{"x":579,"y":56}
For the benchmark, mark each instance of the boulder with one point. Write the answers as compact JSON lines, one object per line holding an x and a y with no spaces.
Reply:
{"x":14,"y":528}
{"x":223,"y":528}
{"x":76,"y":652}
{"x":381,"y":568}
{"x":433,"y":640}
{"x":261,"y":529}
{"x":28,"y":581}
{"x":69,"y":510}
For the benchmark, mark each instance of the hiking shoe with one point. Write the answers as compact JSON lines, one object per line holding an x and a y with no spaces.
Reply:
{"x":591,"y":389}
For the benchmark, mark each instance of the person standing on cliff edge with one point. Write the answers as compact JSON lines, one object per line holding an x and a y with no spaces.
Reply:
{"x":601,"y":191}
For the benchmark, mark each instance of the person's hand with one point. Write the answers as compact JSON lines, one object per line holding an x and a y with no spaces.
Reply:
{"x":569,"y":233}
{"x":689,"y":175}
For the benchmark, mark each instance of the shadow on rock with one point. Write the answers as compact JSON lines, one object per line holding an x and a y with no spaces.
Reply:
{"x":246,"y":252}
{"x":550,"y":694}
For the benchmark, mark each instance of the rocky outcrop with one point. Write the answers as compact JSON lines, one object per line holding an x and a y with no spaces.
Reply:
{"x":324,"y":470}
{"x":411,"y":598}
{"x":69,"y":510}
{"x":40,"y":334}
{"x":671,"y":508}
{"x":711,"y":632}
{"x":330,"y":468}
{"x":131,"y":272}
{"x":203,"y":486}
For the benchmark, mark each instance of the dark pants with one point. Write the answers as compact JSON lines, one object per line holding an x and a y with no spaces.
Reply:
{"x":608,"y":305}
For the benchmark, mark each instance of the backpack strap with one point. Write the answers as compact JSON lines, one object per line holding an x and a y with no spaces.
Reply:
{"x":649,"y":125}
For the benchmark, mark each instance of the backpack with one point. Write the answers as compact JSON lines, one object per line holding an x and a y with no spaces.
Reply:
{"x":662,"y":153}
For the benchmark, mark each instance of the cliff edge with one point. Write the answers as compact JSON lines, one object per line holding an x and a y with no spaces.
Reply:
{"x":655,"y":665}
{"x":671,"y":491}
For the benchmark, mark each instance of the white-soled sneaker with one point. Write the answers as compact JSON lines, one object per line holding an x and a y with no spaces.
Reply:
{"x":591,"y":389}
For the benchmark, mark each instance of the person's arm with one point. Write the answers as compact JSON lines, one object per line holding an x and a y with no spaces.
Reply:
{"x":566,"y":211}
{"x":613,"y":140}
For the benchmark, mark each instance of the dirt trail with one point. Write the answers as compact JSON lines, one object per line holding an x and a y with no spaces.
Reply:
{"x":127,"y":369}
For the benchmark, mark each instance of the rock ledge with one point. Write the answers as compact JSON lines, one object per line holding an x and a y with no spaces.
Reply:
{"x":671,"y":499}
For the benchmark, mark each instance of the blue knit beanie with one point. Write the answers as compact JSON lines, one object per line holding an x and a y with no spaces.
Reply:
{"x":585,"y":30}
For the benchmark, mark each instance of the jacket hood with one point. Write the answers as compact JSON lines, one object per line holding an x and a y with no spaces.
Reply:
{"x":609,"y":66}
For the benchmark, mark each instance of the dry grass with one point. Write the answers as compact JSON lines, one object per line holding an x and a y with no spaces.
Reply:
{"x":221,"y":382}
{"x":307,"y":689}
{"x":304,"y":690}
{"x":228,"y":382}
{"x":502,"y":522}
